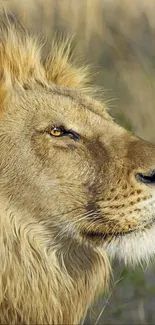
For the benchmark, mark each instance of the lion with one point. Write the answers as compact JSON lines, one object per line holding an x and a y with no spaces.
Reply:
{"x":75,"y":188}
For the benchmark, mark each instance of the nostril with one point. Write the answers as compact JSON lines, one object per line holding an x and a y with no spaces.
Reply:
{"x":146,"y":179}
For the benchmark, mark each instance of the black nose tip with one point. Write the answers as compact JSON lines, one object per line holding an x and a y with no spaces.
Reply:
{"x":146,"y":178}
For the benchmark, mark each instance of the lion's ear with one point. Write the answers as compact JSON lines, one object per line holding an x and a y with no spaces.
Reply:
{"x":62,"y":69}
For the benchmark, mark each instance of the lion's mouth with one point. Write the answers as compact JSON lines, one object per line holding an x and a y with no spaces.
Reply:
{"x":96,"y":235}
{"x":100,"y":235}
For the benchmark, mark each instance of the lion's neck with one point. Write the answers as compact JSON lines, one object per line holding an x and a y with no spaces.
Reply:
{"x":45,"y":287}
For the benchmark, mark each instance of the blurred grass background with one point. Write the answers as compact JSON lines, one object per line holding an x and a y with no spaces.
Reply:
{"x":118,"y":38}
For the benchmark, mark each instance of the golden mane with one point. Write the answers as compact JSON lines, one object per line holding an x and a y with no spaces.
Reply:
{"x":21,"y":60}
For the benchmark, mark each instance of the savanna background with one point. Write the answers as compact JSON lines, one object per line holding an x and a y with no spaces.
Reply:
{"x":117,"y":37}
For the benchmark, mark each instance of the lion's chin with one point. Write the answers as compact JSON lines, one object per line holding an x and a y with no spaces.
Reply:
{"x":133,"y":248}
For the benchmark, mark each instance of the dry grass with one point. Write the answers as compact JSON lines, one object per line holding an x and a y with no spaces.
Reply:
{"x":118,"y":38}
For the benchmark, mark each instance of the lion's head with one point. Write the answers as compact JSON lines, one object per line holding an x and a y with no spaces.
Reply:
{"x":64,"y":162}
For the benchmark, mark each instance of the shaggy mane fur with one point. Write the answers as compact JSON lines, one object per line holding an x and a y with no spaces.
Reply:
{"x":21,"y":60}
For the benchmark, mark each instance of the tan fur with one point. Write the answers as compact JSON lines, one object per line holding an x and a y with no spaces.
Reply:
{"x":21,"y":59}
{"x":62,"y":202}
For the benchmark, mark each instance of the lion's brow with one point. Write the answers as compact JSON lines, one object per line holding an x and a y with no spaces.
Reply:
{"x":82,"y":100}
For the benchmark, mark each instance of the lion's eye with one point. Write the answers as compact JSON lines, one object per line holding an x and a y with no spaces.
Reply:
{"x":60,"y":131}
{"x":57,"y":132}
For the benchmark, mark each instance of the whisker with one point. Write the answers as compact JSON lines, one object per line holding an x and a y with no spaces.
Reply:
{"x":72,"y":223}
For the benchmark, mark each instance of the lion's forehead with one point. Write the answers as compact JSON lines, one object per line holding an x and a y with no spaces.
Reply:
{"x":80,"y":113}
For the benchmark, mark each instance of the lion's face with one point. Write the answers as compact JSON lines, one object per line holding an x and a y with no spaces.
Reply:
{"x":68,"y":165}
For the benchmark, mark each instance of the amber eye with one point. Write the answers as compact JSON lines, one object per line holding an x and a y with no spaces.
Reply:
{"x":60,"y":131}
{"x":57,"y":132}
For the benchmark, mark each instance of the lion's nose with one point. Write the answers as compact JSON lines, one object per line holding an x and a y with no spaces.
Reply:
{"x":148,"y":178}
